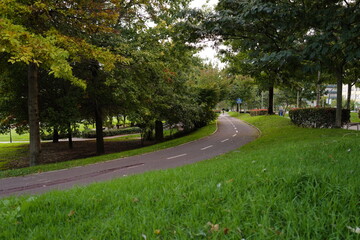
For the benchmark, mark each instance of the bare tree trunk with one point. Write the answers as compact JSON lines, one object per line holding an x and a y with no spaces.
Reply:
{"x":339,"y":100}
{"x":298,"y":99}
{"x":70,"y":136}
{"x":271,"y":100}
{"x":100,"y":149}
{"x":33,"y":111}
{"x":348,"y":96}
{"x":159,"y":131}
{"x":55,"y":135}
{"x":318,"y":89}
{"x":99,"y":130}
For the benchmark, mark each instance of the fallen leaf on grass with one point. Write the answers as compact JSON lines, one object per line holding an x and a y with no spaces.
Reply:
{"x":135,"y":200}
{"x":157,"y":231}
{"x":230,"y":180}
{"x":213,"y":227}
{"x":226,"y":231}
{"x":71,"y":213}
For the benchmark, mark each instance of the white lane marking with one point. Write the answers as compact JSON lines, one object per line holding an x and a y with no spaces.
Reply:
{"x":235,"y":128}
{"x":225,"y":140}
{"x":234,"y":135}
{"x":176,"y":156}
{"x":207,"y":147}
{"x":237,"y":131}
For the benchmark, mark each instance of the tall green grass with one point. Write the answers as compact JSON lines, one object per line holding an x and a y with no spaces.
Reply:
{"x":292,"y":183}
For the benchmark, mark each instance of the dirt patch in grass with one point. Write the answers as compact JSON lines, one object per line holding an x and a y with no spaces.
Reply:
{"x":60,"y":152}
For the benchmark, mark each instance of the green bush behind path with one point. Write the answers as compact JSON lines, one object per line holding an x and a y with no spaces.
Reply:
{"x":291,"y":183}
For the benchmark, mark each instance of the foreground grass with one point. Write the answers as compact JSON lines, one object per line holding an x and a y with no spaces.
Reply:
{"x":292,"y":183}
{"x":203,"y":132}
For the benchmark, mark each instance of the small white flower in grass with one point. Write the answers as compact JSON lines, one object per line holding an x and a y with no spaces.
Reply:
{"x":264,"y":170}
{"x":354,"y":230}
{"x":349,"y":150}
{"x":218,"y":185}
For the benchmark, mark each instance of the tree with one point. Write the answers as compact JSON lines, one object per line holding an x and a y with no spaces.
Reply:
{"x":34,"y":33}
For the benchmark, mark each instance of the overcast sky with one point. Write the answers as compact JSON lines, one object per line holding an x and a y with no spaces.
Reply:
{"x":208,"y":52}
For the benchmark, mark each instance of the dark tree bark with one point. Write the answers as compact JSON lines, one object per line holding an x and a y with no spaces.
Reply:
{"x":339,"y":99}
{"x":318,"y":89}
{"x":348,"y":96}
{"x":100,"y":149}
{"x":70,"y":136}
{"x":33,"y":111}
{"x":94,"y":67}
{"x":55,"y":135}
{"x":159,"y":131}
{"x":271,"y":100}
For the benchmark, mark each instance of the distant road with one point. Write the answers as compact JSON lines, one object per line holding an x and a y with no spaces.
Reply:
{"x":231,"y":134}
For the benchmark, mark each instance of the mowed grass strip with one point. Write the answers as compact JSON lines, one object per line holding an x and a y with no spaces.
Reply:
{"x":291,"y":183}
{"x":6,"y":153}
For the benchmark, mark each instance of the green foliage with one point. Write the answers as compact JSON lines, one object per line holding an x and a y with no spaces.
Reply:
{"x":317,"y":117}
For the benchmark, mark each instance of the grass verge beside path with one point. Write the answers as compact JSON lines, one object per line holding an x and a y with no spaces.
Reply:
{"x":291,"y":183}
{"x":354,"y":117}
{"x":200,"y":133}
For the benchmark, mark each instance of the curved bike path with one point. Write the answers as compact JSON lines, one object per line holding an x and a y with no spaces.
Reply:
{"x":231,"y":134}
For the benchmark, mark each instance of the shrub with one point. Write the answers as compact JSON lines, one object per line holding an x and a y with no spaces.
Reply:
{"x":359,"y":113}
{"x":317,"y":117}
{"x":257,"y":112}
{"x":111,"y":132}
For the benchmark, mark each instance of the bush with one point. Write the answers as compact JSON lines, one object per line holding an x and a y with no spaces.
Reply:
{"x":359,"y":113}
{"x":257,"y":112}
{"x":112,"y":132}
{"x":317,"y":117}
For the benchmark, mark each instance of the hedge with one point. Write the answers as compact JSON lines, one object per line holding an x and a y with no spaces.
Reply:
{"x":317,"y":117}
{"x":257,"y":112}
{"x":110,"y":132}
{"x":92,"y":133}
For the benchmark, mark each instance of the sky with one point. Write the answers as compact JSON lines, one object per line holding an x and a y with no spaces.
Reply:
{"x":208,"y":53}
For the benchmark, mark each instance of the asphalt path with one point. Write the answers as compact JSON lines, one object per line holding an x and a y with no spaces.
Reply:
{"x":231,"y":134}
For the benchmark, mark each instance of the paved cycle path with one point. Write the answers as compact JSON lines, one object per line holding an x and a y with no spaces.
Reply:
{"x":231,"y":134}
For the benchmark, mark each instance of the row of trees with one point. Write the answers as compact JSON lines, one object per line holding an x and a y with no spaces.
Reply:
{"x":289,"y":44}
{"x":66,"y":61}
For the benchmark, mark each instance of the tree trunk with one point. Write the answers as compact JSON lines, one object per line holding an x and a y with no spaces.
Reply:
{"x":348,"y":97}
{"x":70,"y":136}
{"x":339,"y":100}
{"x":318,"y":89}
{"x":98,"y":109}
{"x":55,"y":135}
{"x":298,"y":99}
{"x":33,"y":111}
{"x":159,"y":131}
{"x":99,"y":130}
{"x":271,"y":100}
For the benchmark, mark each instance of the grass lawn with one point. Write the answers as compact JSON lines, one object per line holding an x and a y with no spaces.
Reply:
{"x":354,"y":117}
{"x":11,"y":151}
{"x":15,"y":137}
{"x":6,"y":152}
{"x":291,"y":183}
